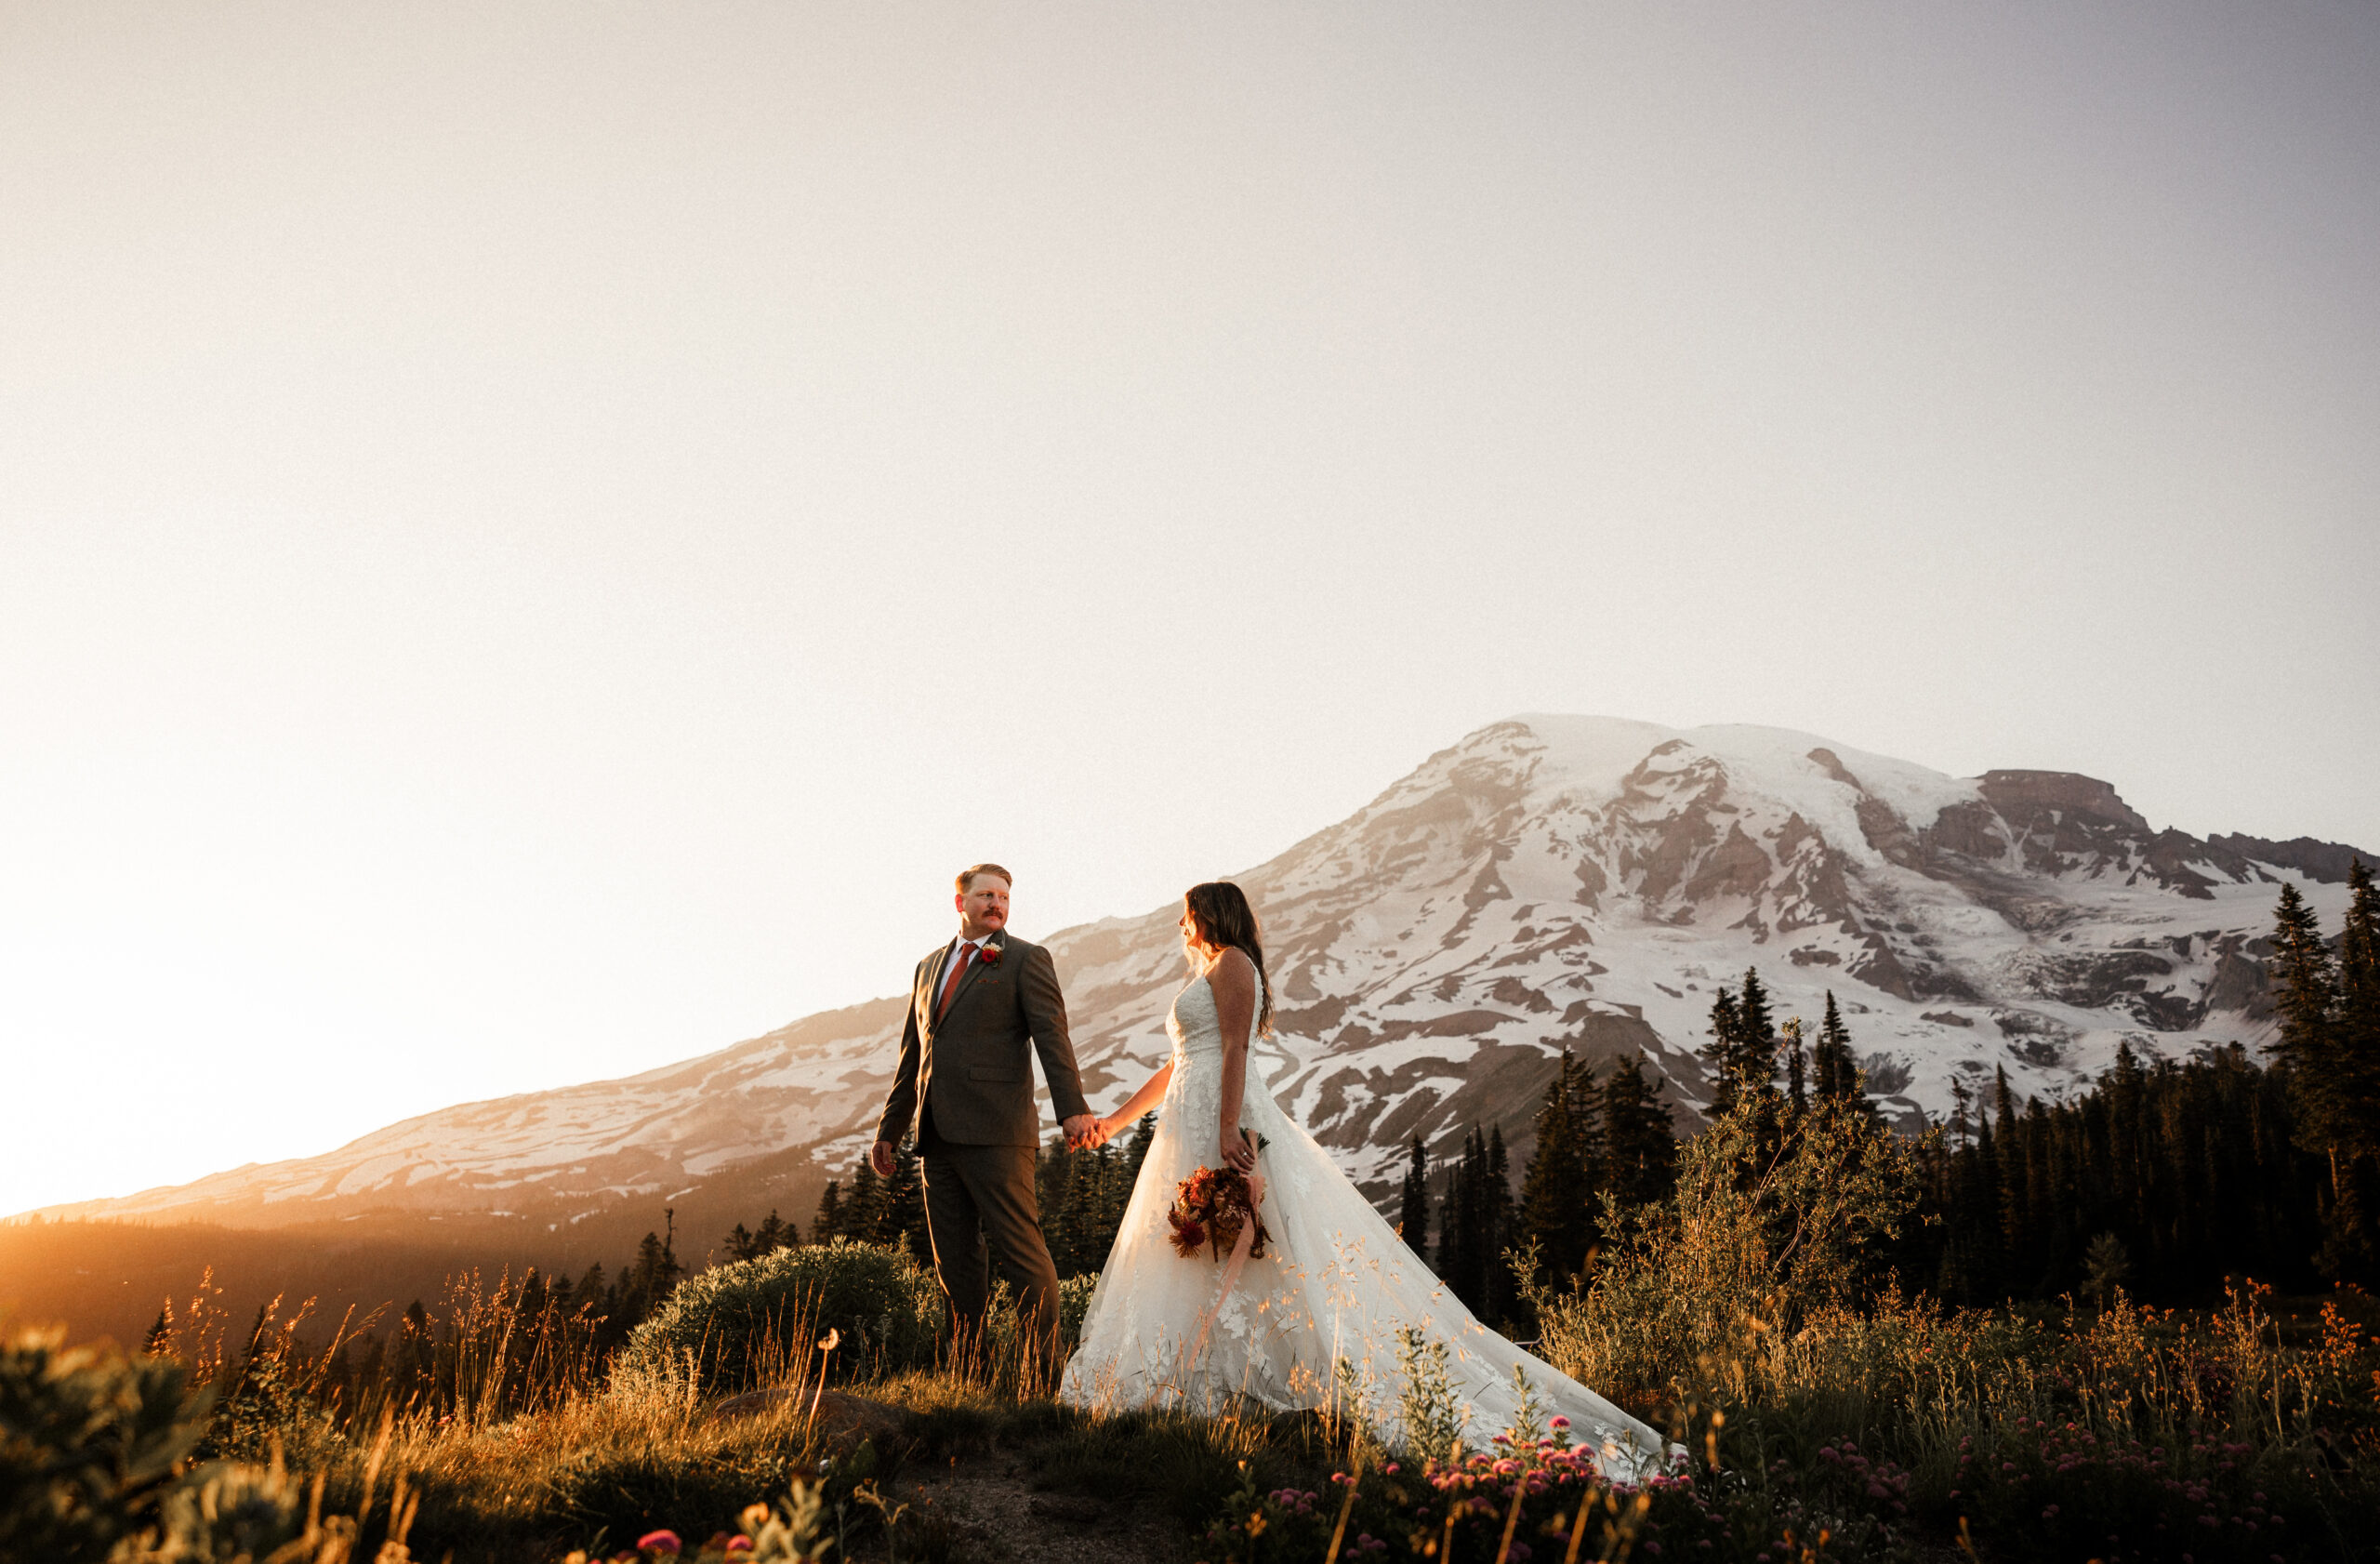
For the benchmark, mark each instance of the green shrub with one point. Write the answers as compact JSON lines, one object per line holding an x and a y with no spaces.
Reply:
{"x":88,"y":1442}
{"x":1074,"y":1302}
{"x":752,"y":1321}
{"x":223,"y":1514}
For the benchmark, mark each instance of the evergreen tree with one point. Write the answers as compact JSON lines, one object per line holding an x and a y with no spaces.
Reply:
{"x":2360,"y":947}
{"x":2359,"y":1008}
{"x":652,"y":1277}
{"x":1758,"y":1066}
{"x":2194,"y":1168}
{"x":774,"y":1234}
{"x":1640,"y":1145}
{"x":1413,"y":1202}
{"x":1054,"y":1176}
{"x":1473,"y":1223}
{"x":1724,"y":1053}
{"x":1834,"y":1065}
{"x":1743,"y":1047}
{"x":738,"y":1244}
{"x":1796,"y":1061}
{"x":1838,"y":1075}
{"x":903,"y":1203}
{"x":1558,"y":1203}
{"x":2322,"y":1075}
{"x":2008,"y":1140}
{"x":1498,"y":1227}
{"x":414,"y":1361}
{"x":2304,"y":992}
{"x":1083,"y":1195}
{"x":863,"y":1207}
{"x":828,"y":1225}
{"x":1137,"y":1150}
{"x":1446,"y":1256}
{"x":160,"y":1334}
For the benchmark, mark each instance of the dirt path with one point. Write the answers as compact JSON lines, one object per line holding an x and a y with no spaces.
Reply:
{"x":995,"y":1515}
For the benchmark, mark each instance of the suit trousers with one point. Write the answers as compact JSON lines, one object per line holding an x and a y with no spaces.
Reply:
{"x":979,"y":1196}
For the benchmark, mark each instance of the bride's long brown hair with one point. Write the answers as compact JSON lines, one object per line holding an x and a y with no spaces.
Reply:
{"x":1220,"y":912}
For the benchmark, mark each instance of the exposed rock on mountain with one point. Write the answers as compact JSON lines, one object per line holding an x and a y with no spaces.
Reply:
{"x":1549,"y":882}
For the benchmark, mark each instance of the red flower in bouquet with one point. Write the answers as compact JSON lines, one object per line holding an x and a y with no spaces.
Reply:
{"x":1188,"y":1236}
{"x":1209,"y":1208}
{"x":988,"y":954}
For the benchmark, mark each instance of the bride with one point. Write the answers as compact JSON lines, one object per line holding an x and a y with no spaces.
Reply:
{"x":1334,"y":1286}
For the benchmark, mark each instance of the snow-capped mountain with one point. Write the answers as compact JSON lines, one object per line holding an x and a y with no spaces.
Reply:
{"x":1549,"y":882}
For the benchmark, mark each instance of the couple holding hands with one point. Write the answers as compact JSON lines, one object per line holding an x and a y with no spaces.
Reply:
{"x":1336,"y":1303}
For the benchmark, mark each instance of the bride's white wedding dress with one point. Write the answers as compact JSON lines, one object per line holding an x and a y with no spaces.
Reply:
{"x":1336,"y":1284}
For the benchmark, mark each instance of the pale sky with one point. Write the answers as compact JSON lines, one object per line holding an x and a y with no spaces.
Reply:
{"x":534,"y":538}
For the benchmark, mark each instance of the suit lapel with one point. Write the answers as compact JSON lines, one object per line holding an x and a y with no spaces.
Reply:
{"x":933,"y":990}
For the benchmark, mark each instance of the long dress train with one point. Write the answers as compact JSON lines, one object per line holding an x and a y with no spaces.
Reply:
{"x":1336,"y":1309}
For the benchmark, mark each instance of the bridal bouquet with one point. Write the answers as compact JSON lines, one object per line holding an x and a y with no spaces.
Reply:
{"x":1209,"y":1208}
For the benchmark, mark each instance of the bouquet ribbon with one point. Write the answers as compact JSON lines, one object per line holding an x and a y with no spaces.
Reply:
{"x":1239,"y":1248}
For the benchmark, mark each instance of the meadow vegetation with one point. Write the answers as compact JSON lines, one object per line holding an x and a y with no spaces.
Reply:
{"x":1743,"y":1288}
{"x":1828,"y":1416}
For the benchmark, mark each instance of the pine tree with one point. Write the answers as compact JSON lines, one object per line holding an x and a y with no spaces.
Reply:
{"x":737,"y":1244}
{"x":2009,"y":1141}
{"x":827,"y":1226}
{"x":652,"y":1279}
{"x":2359,"y":1008}
{"x":1758,"y":1059}
{"x":1447,"y":1255}
{"x":1413,"y":1203}
{"x":1725,"y":1053}
{"x":1640,"y":1145}
{"x":774,"y":1234}
{"x":1742,"y":1051}
{"x":1558,"y":1204}
{"x":863,"y":1207}
{"x":1836,"y":1066}
{"x":411,"y":1373}
{"x":1497,"y":1226}
{"x":2305,"y":997}
{"x":2307,"y":1002}
{"x":1837,"y":1075}
{"x":1137,"y":1150}
{"x":904,"y":1201}
{"x":1796,"y":1058}
{"x":160,"y":1334}
{"x":1473,"y":1224}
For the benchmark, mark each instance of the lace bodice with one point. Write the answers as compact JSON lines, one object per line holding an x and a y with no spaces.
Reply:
{"x":1194,"y":1024}
{"x":1195,"y":1094}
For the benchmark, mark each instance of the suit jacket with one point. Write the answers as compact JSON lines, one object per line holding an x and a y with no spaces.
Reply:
{"x":972,"y":1066}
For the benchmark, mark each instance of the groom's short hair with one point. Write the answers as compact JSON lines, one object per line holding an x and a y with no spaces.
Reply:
{"x":967,"y":876}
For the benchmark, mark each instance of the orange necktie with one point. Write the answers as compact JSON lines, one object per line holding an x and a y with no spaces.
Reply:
{"x":950,"y":983}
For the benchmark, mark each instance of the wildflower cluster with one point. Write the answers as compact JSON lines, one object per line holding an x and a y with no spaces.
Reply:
{"x":1209,"y":1208}
{"x":2068,"y":1491}
{"x":1295,"y":1523}
{"x":1847,"y":1507}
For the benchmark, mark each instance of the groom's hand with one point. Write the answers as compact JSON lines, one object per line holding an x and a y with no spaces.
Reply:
{"x":1081,"y":1131}
{"x":879,"y":1157}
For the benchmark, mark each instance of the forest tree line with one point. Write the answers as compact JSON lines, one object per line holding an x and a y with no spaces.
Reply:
{"x":2166,"y":1178}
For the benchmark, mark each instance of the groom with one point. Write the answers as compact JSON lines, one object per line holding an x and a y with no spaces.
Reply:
{"x":966,"y":1083}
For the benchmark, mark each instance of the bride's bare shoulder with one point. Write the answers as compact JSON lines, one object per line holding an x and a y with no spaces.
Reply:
{"x":1233,"y":973}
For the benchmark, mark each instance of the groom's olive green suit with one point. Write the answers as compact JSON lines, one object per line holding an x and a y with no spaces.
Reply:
{"x":964,"y":1083}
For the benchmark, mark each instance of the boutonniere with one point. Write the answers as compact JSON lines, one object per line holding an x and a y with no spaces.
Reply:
{"x":988,"y":954}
